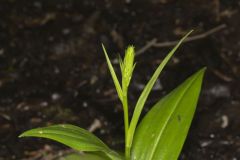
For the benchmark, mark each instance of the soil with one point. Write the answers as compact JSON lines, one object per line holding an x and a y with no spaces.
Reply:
{"x":52,"y":69}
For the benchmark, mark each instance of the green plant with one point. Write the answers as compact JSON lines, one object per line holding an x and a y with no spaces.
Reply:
{"x":161,"y":133}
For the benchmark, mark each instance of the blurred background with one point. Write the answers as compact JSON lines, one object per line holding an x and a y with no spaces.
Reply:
{"x":52,"y":69}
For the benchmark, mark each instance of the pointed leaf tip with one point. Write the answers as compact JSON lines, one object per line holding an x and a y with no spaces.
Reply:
{"x":72,"y":136}
{"x":113,"y":74}
{"x":168,"y":122}
{"x":144,"y":95}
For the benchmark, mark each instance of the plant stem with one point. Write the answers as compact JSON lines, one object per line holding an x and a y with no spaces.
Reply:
{"x":126,"y":123}
{"x":127,"y":153}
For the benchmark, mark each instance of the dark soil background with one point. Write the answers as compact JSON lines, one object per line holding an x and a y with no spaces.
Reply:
{"x":52,"y":69}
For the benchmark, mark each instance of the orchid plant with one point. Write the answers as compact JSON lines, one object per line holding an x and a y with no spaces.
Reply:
{"x":161,"y":133}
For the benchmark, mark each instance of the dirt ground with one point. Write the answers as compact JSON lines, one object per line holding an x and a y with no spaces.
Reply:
{"x":52,"y":69}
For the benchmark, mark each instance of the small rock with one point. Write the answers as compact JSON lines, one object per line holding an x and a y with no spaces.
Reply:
{"x":1,"y":51}
{"x":66,"y":31}
{"x":55,"y":96}
{"x":85,"y":104}
{"x":224,"y":121}
{"x":220,"y":91}
{"x":205,"y":143}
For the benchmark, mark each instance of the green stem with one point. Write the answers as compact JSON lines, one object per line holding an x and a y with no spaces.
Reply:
{"x":126,"y":123}
{"x":127,"y":153}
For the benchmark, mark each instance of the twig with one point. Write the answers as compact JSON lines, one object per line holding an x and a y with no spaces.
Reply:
{"x":147,"y":46}
{"x":95,"y":125}
{"x":154,"y":43}
{"x":221,"y":75}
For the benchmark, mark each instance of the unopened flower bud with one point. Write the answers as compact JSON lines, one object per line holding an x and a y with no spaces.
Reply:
{"x":127,"y":66}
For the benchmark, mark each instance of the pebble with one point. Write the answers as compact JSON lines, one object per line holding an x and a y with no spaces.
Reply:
{"x":66,"y":31}
{"x":55,"y":96}
{"x":224,"y":121}
{"x":220,"y":91}
{"x":205,"y":143}
{"x":1,"y":51}
{"x":85,"y":104}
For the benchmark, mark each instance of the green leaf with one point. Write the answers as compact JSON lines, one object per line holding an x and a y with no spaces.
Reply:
{"x":72,"y":136}
{"x":144,"y":95}
{"x":85,"y":156}
{"x":114,"y":76}
{"x":162,"y":132}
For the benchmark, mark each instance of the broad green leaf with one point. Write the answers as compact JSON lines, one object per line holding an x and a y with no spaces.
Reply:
{"x":144,"y":95}
{"x":85,"y":156}
{"x":162,"y":132}
{"x":114,"y":76}
{"x":72,"y":136}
